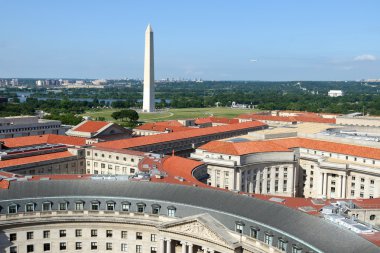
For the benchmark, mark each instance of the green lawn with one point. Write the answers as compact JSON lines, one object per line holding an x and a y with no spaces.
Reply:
{"x":172,"y":114}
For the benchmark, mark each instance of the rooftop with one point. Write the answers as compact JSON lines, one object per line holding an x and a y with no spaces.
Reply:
{"x":243,"y":148}
{"x":90,"y":126}
{"x":154,"y":139}
{"x":43,"y":139}
{"x":34,"y":159}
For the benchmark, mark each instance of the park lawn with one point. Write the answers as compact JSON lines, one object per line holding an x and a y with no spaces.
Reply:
{"x":174,"y":114}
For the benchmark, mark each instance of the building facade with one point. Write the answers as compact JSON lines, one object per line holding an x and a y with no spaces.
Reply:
{"x":143,"y":217}
{"x":18,"y":126}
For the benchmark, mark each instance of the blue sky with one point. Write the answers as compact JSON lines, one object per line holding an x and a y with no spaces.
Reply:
{"x":208,"y":39}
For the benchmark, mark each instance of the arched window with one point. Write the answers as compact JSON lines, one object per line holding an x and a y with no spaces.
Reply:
{"x":125,"y":206}
{"x":296,"y":249}
{"x":171,"y":211}
{"x":46,"y":206}
{"x":12,"y":208}
{"x":282,"y":244}
{"x":79,"y":204}
{"x":239,"y":226}
{"x":372,"y":217}
{"x":95,"y":205}
{"x":268,"y":238}
{"x":156,"y":209}
{"x":63,"y":205}
{"x":141,"y":207}
{"x":255,"y":232}
{"x":29,"y":207}
{"x":111,"y":205}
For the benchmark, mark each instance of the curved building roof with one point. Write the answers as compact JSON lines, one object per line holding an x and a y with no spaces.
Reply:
{"x":317,"y":233}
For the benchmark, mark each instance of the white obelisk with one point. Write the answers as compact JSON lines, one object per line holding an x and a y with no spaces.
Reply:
{"x":148,"y":100}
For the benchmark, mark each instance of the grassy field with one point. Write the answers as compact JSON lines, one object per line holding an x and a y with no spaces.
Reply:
{"x":173,"y":114}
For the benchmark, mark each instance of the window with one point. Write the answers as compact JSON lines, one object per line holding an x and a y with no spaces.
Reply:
{"x":372,"y":181}
{"x":62,"y":233}
{"x":138,"y":236}
{"x":132,"y":170}
{"x":171,"y":211}
{"x":62,"y":246}
{"x":124,"y":247}
{"x":362,"y":187}
{"x":110,"y":205}
{"x":63,"y":206}
{"x":296,"y":249}
{"x":78,"y":232}
{"x":153,"y":238}
{"x":156,"y":209}
{"x":125,"y":206}
{"x":79,"y":206}
{"x":239,"y":227}
{"x":13,"y":249}
{"x":12,"y":237}
{"x":140,"y":207}
{"x":138,"y":248}
{"x":95,"y":205}
{"x":46,"y":246}
{"x":108,"y":246}
{"x":29,"y":207}
{"x":109,"y":233}
{"x":29,"y":235}
{"x":282,"y":244}
{"x":255,"y":232}
{"x":29,"y":248}
{"x":353,"y":178}
{"x":372,"y":217}
{"x":362,"y":180}
{"x":94,"y":233}
{"x":12,"y":208}
{"x":268,"y":238}
{"x":94,"y":245}
{"x":124,"y":234}
{"x":46,"y":206}
{"x":78,"y":245}
{"x":46,"y":234}
{"x":153,"y":250}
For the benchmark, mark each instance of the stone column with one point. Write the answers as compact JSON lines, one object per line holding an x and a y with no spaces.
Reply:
{"x":161,"y":246}
{"x":321,"y":184}
{"x":326,"y":184}
{"x":238,"y":180}
{"x":168,"y":246}
{"x":190,"y":248}
{"x":257,"y":186}
{"x":344,"y":187}
{"x":265,"y":181}
{"x":183,"y":247}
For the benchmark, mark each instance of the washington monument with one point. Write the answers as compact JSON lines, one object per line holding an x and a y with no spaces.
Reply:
{"x":148,"y":101}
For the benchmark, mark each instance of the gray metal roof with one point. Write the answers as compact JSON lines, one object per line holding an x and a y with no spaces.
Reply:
{"x":318,"y":233}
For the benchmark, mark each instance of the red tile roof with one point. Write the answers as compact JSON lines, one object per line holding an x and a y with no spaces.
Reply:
{"x":153,"y":139}
{"x":43,"y":139}
{"x":34,"y":159}
{"x":278,"y":145}
{"x":90,"y":126}
{"x":333,"y":147}
{"x":168,"y":123}
{"x":300,"y":118}
{"x":243,"y":148}
{"x":162,"y":127}
{"x":219,"y":120}
{"x":182,"y":167}
{"x":4,"y":184}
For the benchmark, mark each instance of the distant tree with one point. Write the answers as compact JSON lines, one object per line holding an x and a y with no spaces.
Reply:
{"x":128,"y":114}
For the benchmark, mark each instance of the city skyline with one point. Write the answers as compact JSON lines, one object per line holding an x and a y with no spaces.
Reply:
{"x":247,"y":41}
